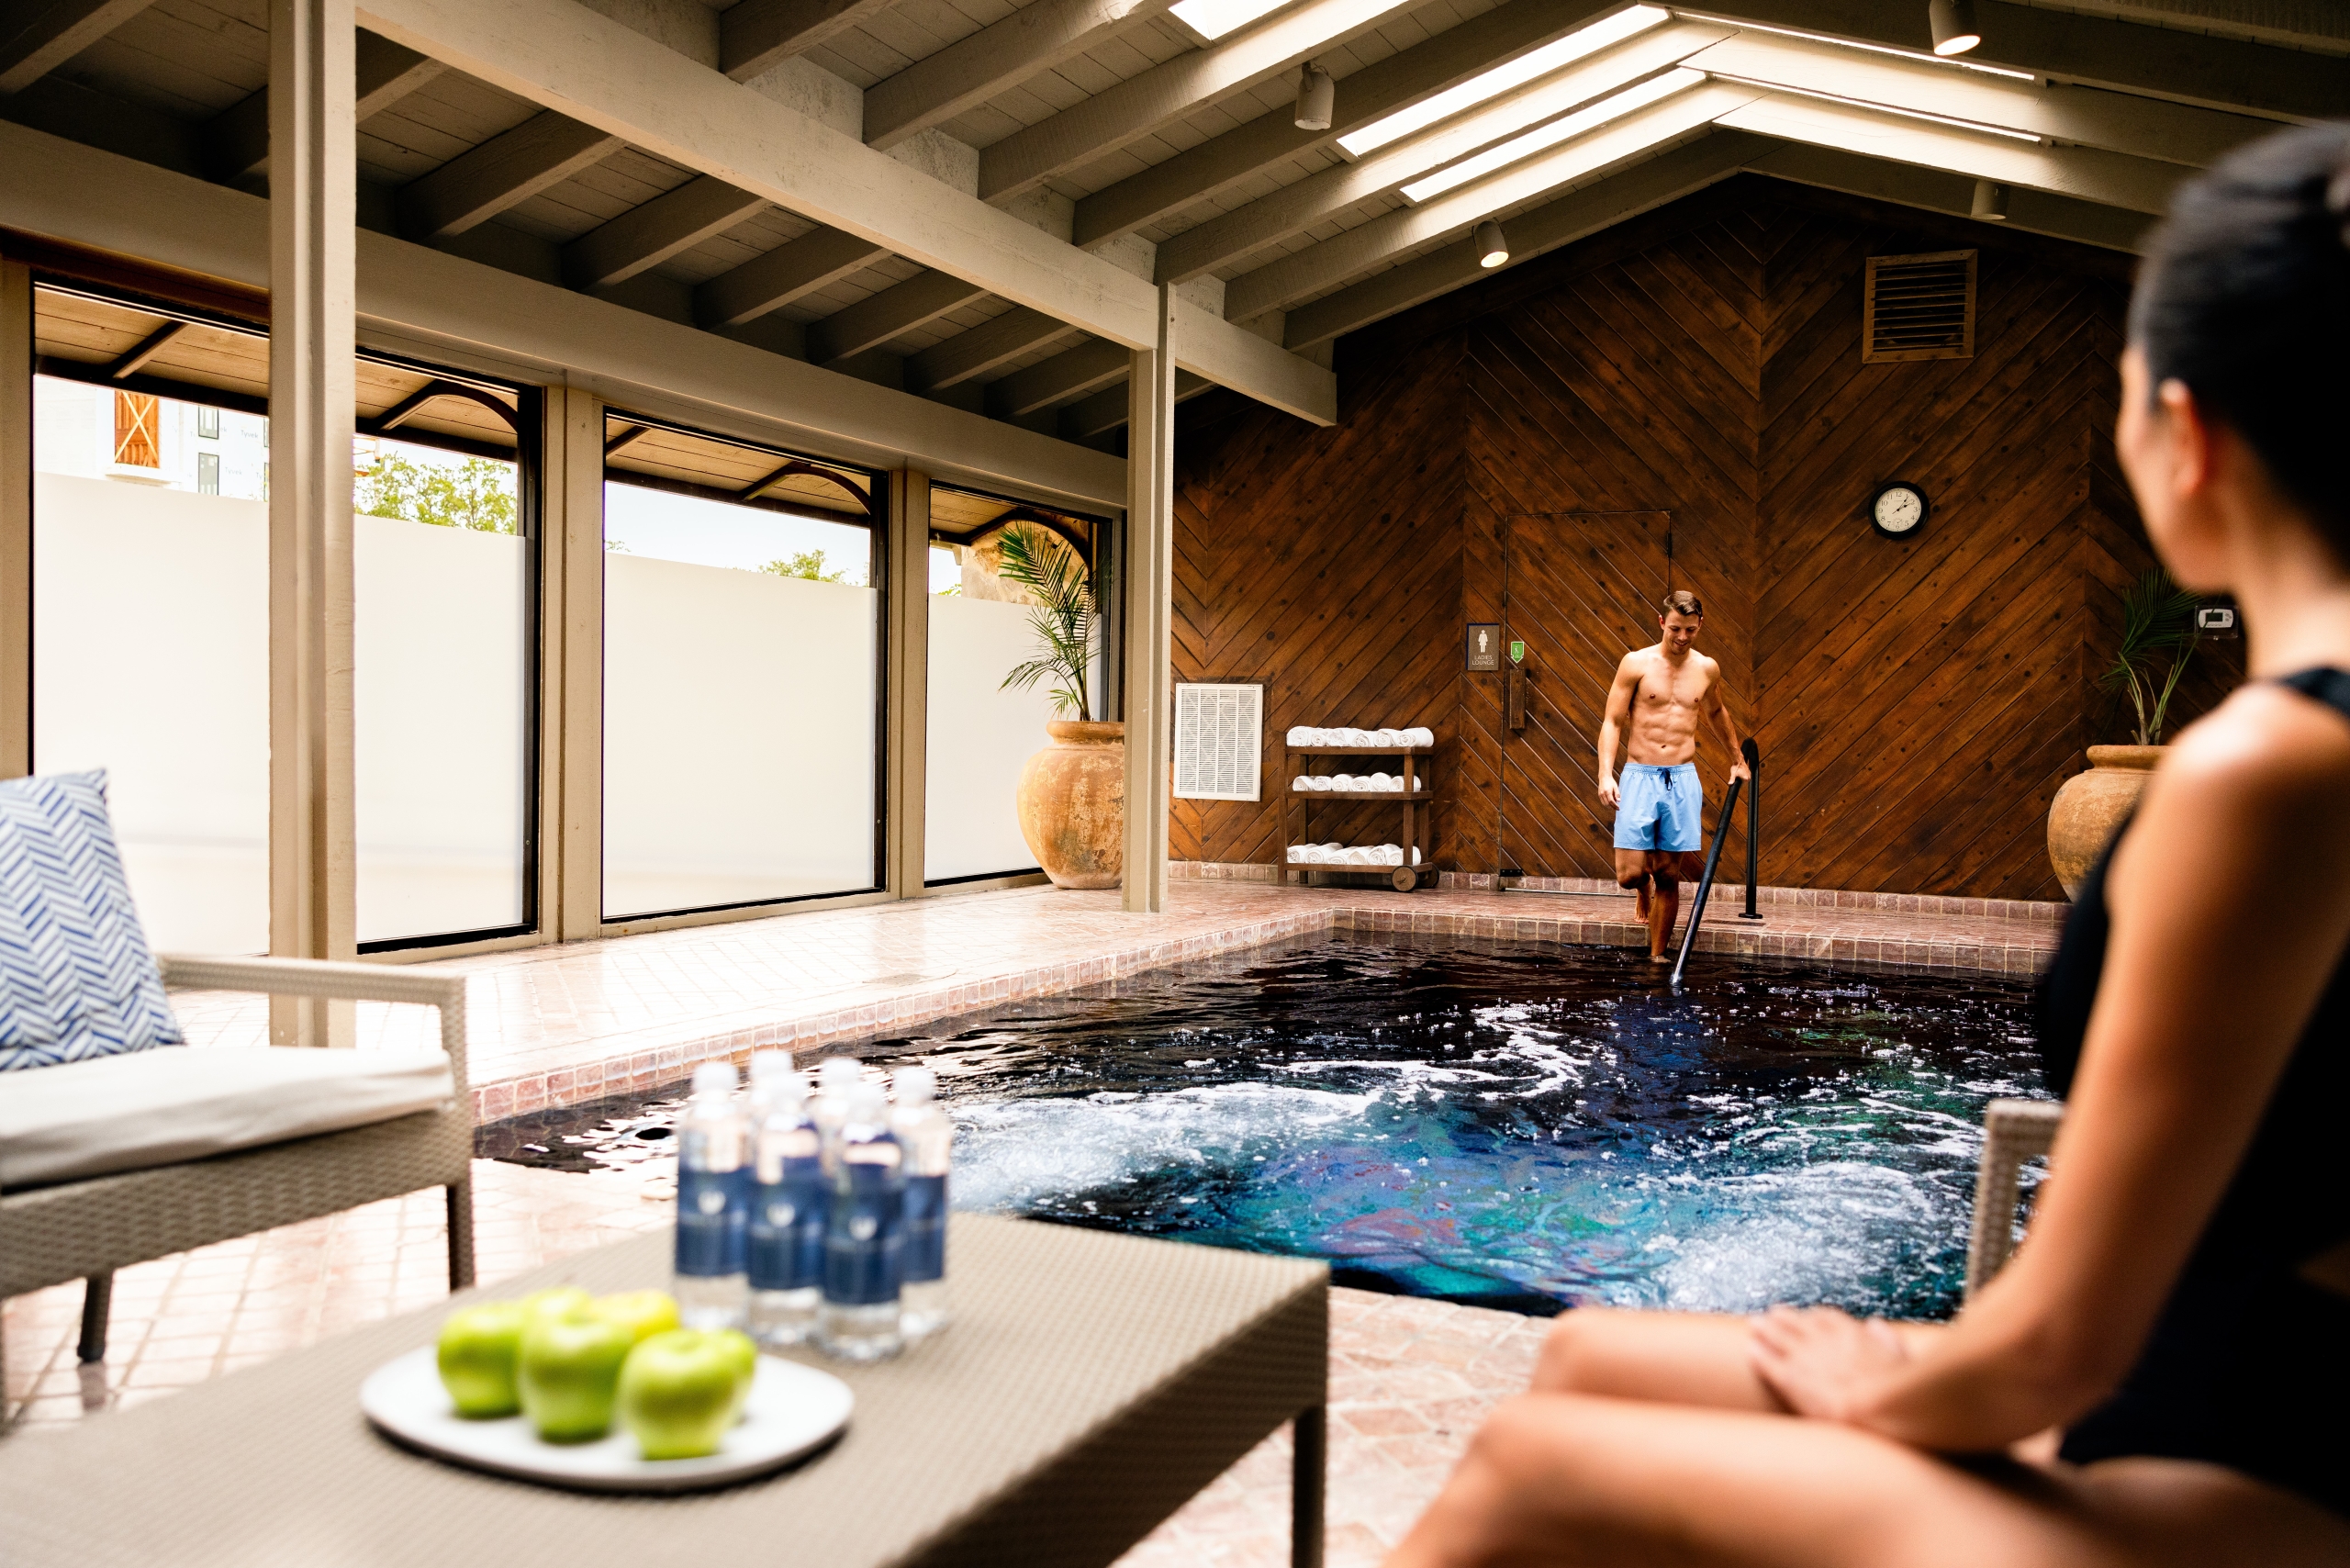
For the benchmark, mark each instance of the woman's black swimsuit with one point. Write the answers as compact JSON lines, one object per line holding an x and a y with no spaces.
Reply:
{"x":2249,"y":1364}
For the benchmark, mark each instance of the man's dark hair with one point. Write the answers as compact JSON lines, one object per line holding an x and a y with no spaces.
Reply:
{"x":1680,"y":601}
{"x":2246,"y":299}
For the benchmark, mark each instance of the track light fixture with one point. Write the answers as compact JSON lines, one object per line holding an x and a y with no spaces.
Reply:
{"x":1493,"y":250}
{"x":1317,"y":96}
{"x":1952,"y":22}
{"x":1991,"y":200}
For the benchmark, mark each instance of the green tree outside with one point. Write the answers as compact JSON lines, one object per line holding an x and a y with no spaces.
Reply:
{"x":807,"y":563}
{"x":479,"y":494}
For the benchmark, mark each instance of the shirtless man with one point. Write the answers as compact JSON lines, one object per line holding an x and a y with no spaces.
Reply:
{"x":1659,"y":695}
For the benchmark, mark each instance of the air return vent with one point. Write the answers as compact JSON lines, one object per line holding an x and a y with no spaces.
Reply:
{"x":1918,"y":308}
{"x":1219,"y":741}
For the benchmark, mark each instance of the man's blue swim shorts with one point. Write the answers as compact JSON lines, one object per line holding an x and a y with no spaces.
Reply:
{"x":1660,"y":808}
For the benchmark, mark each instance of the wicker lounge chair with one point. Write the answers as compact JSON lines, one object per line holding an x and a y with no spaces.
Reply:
{"x":86,"y":1228}
{"x":2013,"y":1132}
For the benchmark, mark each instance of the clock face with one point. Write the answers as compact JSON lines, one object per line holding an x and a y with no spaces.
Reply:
{"x":1897,"y":510}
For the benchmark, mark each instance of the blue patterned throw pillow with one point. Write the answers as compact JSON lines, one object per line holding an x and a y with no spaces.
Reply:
{"x":76,"y":979}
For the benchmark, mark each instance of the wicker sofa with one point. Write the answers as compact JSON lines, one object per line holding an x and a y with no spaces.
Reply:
{"x":86,"y":1228}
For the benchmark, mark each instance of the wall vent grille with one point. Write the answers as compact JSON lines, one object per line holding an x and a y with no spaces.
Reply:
{"x":1219,"y":741}
{"x":1918,"y":308}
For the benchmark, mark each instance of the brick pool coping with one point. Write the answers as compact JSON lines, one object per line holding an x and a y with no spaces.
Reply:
{"x":559,"y":1025}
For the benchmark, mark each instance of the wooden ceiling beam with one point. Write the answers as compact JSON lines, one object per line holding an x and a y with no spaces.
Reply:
{"x":42,"y":35}
{"x":755,"y":36}
{"x":646,"y":235}
{"x":1068,"y":375}
{"x":153,"y":343}
{"x":964,"y":74}
{"x":773,"y":279}
{"x":1098,"y":413}
{"x":991,"y":344}
{"x":1170,"y":90}
{"x":502,"y":173}
{"x":890,"y":313}
{"x":236,"y":140}
{"x":1934,"y":190}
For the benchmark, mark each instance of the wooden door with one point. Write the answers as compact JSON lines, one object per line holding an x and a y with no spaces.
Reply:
{"x":1579,"y":589}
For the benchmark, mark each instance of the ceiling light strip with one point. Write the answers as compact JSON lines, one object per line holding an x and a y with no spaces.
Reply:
{"x":1566,"y":129}
{"x":1213,"y":18}
{"x":1527,"y":67}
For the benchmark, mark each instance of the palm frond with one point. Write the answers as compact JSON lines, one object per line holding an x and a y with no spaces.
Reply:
{"x":2158,"y":617}
{"x":1063,"y":617}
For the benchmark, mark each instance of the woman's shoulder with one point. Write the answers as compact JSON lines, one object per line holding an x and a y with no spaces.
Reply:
{"x":2265,"y":741}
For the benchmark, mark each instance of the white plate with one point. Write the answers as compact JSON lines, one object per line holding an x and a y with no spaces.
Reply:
{"x":792,"y":1411}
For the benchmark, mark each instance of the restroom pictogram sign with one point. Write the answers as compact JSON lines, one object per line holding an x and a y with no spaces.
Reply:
{"x":1484,"y":645}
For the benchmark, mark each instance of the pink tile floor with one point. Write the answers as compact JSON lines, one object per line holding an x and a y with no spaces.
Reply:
{"x":1409,"y":1380}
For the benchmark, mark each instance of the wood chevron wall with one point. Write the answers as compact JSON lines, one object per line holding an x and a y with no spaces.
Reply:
{"x":1918,"y":703}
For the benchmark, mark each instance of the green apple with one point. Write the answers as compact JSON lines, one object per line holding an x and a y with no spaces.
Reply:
{"x":570,"y":1370}
{"x":745,"y":1352}
{"x":643,"y":1313}
{"x":679,"y":1391}
{"x":478,"y":1348}
{"x":563,"y":1298}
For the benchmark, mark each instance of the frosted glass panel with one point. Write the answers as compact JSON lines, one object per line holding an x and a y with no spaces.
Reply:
{"x":151,"y":659}
{"x":739,"y":704}
{"x":979,"y":738}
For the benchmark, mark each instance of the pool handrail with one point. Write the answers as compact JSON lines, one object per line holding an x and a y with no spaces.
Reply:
{"x":1706,"y":882}
{"x":1754,"y":755}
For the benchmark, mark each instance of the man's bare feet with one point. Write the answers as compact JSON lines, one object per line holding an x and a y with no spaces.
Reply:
{"x":1660,"y":958}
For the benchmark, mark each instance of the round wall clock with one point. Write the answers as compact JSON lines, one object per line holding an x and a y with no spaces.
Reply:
{"x":1898,"y":509}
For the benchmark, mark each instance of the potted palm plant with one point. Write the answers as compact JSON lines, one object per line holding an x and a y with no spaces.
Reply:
{"x":1072,"y":798}
{"x":2158,"y":638}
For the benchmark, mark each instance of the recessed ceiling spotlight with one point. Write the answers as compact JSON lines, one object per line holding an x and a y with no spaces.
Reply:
{"x":1493,"y":250}
{"x":1511,"y":73}
{"x":1213,"y":18}
{"x":1952,"y":22}
{"x":1991,"y":200}
{"x":1317,"y":96}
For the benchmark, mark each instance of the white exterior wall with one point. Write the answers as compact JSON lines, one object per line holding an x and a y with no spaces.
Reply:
{"x":980,"y":737}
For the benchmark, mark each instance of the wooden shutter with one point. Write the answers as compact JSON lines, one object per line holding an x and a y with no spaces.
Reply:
{"x":1918,"y":308}
{"x":136,"y":421}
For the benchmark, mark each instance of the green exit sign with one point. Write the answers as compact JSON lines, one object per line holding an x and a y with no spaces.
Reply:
{"x":1516,"y":651}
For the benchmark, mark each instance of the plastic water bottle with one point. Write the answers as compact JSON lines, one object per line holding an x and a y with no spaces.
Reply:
{"x":927,"y":1135}
{"x":863,"y":1235}
{"x":713,"y":1201}
{"x":787,"y":1224}
{"x":835,"y":1076}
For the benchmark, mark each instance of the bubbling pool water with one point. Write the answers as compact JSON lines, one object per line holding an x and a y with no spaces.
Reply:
{"x":1514,"y":1124}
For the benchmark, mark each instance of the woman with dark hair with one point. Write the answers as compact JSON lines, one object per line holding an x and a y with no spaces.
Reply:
{"x":2162,"y":1374}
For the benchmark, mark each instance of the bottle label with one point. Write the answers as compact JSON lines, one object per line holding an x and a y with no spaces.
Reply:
{"x":864,"y":1235}
{"x":926,"y":1224}
{"x":787,"y":1230}
{"x":713,"y":1211}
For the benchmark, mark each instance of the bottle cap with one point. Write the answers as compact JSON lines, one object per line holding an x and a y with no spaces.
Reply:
{"x":916,"y":1085}
{"x":769,"y":1064}
{"x":868,"y":1103}
{"x":838,"y":1074}
{"x":714,"y":1078}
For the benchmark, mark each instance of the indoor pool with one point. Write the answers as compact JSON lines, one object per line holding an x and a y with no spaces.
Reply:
{"x":1512,"y":1125}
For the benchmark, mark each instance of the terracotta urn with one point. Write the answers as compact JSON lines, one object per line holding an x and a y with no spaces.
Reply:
{"x":2088,"y":811}
{"x":1073,"y":803}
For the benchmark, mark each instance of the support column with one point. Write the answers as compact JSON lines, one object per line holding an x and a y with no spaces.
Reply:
{"x":573,"y":613}
{"x":1150,"y":610}
{"x":313,"y":209}
{"x":16,"y":519}
{"x":906,"y":723}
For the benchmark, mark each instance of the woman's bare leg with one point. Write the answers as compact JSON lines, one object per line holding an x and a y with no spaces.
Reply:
{"x":1574,"y":1480}
{"x":1676,"y":1358}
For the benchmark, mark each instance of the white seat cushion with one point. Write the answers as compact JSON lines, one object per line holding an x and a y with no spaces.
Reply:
{"x":159,"y":1107}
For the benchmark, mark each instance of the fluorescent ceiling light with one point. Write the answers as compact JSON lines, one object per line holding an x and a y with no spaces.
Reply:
{"x":1744,"y":26}
{"x":1502,"y":78}
{"x":1213,"y":18}
{"x":1563,"y":130}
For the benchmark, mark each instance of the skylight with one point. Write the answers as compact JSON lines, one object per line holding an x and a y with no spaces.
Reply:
{"x":1501,"y":78}
{"x":1213,"y":18}
{"x":1562,"y":130}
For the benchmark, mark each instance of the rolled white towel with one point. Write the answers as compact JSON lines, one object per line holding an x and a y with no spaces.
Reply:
{"x":1375,"y":781}
{"x":1420,"y":736}
{"x":1385,"y":737}
{"x":1360,"y":856}
{"x":1390,"y":855}
{"x":1322,"y":782}
{"x":1300,"y":735}
{"x":1415,"y":854}
{"x":1297,"y":853}
{"x":1300,"y":782}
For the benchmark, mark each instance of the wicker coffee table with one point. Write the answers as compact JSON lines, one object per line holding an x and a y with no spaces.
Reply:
{"x":1090,"y":1384}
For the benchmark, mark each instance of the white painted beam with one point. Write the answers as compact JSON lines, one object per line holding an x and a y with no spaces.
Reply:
{"x":2099,"y":52}
{"x":993,"y":342}
{"x":2037,"y":212}
{"x":574,"y":62}
{"x":1372,"y":92}
{"x":964,"y":74}
{"x":1294,"y":209}
{"x":504,"y":172}
{"x":755,"y":35}
{"x":1107,"y":410}
{"x":1643,"y":133}
{"x":773,"y":279}
{"x":1638,"y":189}
{"x":2085,"y":117}
{"x":646,"y":235}
{"x":2110,"y":179}
{"x":1168,"y":91}
{"x":42,"y":35}
{"x":429,"y":304}
{"x":890,"y":313}
{"x":236,"y":140}
{"x":1148,"y":563}
{"x":1068,"y":375}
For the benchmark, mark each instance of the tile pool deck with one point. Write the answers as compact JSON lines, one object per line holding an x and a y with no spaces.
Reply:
{"x":1410,"y":1379}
